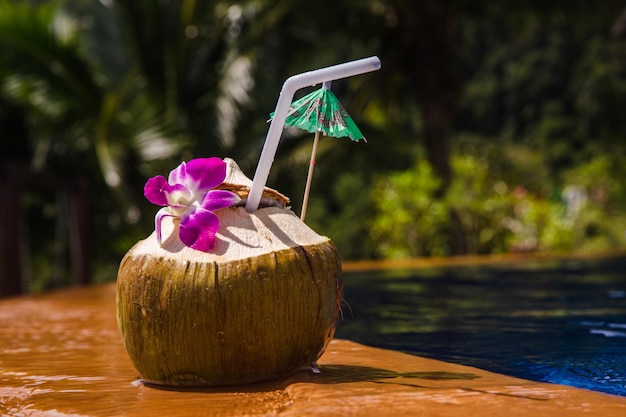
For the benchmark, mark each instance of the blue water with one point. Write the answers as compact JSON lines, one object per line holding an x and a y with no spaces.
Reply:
{"x":561,"y":322}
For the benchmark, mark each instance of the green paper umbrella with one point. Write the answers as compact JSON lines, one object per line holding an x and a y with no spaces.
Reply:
{"x":320,"y":112}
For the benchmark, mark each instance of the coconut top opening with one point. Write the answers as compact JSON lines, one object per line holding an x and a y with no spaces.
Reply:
{"x":241,"y":235}
{"x":272,"y":227}
{"x":237,"y":182}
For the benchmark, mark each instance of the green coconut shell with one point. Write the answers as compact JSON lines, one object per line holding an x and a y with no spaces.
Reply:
{"x":262,"y":305}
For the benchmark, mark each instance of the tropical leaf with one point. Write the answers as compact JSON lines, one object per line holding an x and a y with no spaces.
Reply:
{"x":32,"y":46}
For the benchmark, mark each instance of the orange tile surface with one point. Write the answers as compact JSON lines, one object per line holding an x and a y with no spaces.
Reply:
{"x":61,"y":355}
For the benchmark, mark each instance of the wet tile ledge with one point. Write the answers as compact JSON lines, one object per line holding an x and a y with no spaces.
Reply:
{"x":61,"y":356}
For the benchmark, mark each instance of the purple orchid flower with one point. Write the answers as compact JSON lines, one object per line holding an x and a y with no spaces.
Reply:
{"x":188,"y":195}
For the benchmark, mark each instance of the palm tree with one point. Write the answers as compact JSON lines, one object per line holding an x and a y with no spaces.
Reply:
{"x":119,"y":91}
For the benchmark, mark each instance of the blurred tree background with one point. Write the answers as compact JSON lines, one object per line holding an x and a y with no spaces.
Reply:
{"x":492,"y":127}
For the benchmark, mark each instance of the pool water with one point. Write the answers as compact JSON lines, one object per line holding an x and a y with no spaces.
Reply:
{"x":552,"y":321}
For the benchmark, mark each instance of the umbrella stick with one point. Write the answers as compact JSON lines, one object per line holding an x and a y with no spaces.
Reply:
{"x":309,"y":177}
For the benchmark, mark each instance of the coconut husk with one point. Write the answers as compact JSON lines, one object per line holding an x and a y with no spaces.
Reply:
{"x":263,"y":304}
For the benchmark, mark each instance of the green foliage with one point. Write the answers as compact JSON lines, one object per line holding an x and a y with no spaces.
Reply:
{"x":116,"y":92}
{"x":410,"y":221}
{"x":600,"y":222}
{"x":501,"y":207}
{"x":348,"y":227}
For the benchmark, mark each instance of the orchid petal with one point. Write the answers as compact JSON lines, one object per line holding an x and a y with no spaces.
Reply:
{"x":161,"y":214}
{"x":153,"y":190}
{"x":188,"y":194}
{"x":205,"y":173}
{"x":177,"y":195}
{"x":218,"y":199}
{"x":179,"y":174}
{"x":198,"y":230}
{"x":159,"y":192}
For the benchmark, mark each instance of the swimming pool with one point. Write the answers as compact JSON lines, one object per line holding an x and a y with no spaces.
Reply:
{"x":545,"y":320}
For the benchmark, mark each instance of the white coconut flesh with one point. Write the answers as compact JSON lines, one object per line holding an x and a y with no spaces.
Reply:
{"x":241,"y":235}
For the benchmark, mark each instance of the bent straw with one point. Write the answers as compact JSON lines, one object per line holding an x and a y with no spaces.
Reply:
{"x":291,"y":85}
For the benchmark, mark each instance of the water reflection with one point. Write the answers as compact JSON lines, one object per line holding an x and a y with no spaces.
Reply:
{"x":562,"y":322}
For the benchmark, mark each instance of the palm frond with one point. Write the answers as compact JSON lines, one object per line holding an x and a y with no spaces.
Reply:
{"x":30,"y":46}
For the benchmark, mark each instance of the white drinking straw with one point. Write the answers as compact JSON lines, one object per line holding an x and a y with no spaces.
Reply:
{"x":293,"y":84}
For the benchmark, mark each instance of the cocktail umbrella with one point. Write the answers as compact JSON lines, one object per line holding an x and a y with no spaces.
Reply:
{"x":320,"y":112}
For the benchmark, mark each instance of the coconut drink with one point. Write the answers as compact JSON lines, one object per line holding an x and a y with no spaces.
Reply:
{"x":254,"y":299}
{"x":231,"y":287}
